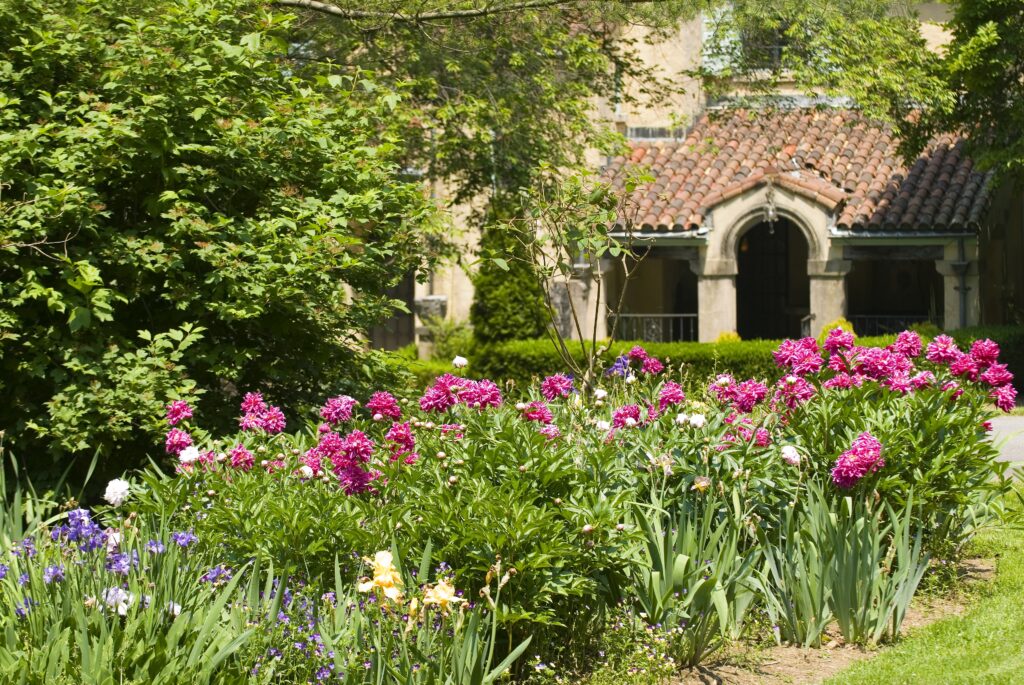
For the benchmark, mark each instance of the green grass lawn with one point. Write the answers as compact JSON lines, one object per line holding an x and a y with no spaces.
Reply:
{"x":984,"y":645}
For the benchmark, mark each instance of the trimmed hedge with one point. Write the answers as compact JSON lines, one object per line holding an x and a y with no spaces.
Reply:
{"x":520,"y":360}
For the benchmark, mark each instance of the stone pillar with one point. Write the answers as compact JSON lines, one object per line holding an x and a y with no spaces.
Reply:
{"x":961,"y":284}
{"x":716,"y":298}
{"x":828,"y":291}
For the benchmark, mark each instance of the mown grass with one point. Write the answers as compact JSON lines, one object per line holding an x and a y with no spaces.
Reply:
{"x":984,"y":645}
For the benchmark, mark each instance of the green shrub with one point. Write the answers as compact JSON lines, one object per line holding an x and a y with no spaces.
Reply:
{"x":508,"y":302}
{"x":167,"y":173}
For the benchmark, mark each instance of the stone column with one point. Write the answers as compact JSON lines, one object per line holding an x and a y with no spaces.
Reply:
{"x":828,"y":291}
{"x":716,"y":298}
{"x":961,"y":284}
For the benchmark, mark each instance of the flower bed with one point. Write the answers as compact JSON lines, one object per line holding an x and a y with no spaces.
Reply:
{"x":461,"y":531}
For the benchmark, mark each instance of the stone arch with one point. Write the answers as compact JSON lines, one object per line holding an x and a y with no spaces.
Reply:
{"x":816,"y":245}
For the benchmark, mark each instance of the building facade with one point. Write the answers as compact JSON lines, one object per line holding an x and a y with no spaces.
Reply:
{"x":775,"y":223}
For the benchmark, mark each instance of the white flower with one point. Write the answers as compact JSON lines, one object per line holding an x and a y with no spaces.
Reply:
{"x":790,"y":455}
{"x":630,"y":421}
{"x":378,"y":417}
{"x":117,"y":492}
{"x":305,"y":471}
{"x":697,"y":420}
{"x":630,"y":378}
{"x":603,"y":425}
{"x":118,"y":599}
{"x":189,"y":454}
{"x":520,"y":406}
{"x":460,"y":362}
{"x":113,"y":539}
{"x":682,"y":419}
{"x":173,"y":608}
{"x":600,"y":393}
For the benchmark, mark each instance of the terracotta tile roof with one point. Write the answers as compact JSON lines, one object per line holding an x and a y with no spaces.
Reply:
{"x":838,"y":158}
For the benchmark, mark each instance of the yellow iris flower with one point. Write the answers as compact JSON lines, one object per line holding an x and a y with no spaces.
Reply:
{"x":442,"y":595}
{"x":385,"y":577}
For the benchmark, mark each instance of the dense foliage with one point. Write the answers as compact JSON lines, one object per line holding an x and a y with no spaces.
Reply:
{"x":169,"y":183}
{"x":818,"y":500}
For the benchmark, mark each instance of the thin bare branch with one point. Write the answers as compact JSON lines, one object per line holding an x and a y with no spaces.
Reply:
{"x":485,"y":10}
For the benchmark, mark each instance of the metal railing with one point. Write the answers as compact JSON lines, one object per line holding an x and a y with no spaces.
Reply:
{"x":655,"y":327}
{"x":883,"y":324}
{"x":805,"y":325}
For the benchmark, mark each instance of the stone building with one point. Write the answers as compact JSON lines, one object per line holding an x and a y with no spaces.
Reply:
{"x":776,"y":223}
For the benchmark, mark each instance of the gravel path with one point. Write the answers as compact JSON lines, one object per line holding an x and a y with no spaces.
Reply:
{"x":1008,"y":432}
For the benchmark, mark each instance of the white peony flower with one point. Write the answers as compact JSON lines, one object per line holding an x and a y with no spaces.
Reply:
{"x":682,"y":419}
{"x":630,"y":378}
{"x":113,"y":540}
{"x":189,"y":454}
{"x":790,"y":455}
{"x":603,"y":425}
{"x":460,"y":362}
{"x":305,"y":471}
{"x":600,"y":393}
{"x":697,"y":420}
{"x":117,"y":492}
{"x":630,"y":421}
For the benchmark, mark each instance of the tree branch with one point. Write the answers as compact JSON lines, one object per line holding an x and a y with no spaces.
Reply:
{"x":486,"y":10}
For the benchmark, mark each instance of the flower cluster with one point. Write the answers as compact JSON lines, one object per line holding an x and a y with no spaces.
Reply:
{"x":258,"y":415}
{"x":449,"y":390}
{"x":863,"y":457}
{"x":556,"y":387}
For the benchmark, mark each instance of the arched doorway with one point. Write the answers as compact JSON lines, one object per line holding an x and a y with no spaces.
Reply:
{"x":772,"y":288}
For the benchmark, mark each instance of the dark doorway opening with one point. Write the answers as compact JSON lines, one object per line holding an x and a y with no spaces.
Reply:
{"x":890,"y":295}
{"x":772,"y":288}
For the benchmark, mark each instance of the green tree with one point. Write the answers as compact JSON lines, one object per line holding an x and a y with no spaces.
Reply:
{"x":183,"y":212}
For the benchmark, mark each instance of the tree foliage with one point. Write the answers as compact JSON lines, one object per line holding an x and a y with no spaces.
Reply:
{"x":171,"y":182}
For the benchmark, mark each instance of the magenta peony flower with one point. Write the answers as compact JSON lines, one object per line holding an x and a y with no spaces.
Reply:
{"x":671,"y":394}
{"x":638,"y":353}
{"x":652,"y":366}
{"x":537,"y":411}
{"x":844,"y":381}
{"x":880,"y":363}
{"x":838,"y":339}
{"x":177,"y":440}
{"x":800,"y":356}
{"x":272,"y":420}
{"x":554,"y":387}
{"x":863,"y":457}
{"x":178,"y":411}
{"x":955,"y":387}
{"x":241,"y":458}
{"x":793,"y":391}
{"x":922,"y":380}
{"x":965,"y":365}
{"x":1005,"y":397}
{"x":942,"y":350}
{"x":747,"y":394}
{"x":481,"y":394}
{"x":550,"y":431}
{"x":253,"y":403}
{"x":908,"y":343}
{"x":984,"y":352}
{"x":626,"y":416}
{"x":385,"y":404}
{"x":762,"y":438}
{"x":443,"y":394}
{"x":337,"y":409}
{"x":997,"y":375}
{"x":402,"y":442}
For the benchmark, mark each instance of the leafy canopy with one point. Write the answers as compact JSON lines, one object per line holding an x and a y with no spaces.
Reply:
{"x":171,"y":182}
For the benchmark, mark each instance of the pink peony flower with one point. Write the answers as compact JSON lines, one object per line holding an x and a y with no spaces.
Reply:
{"x":955,"y":387}
{"x":626,"y":416}
{"x":480,"y":394}
{"x":178,"y":411}
{"x":453,"y":429}
{"x":241,"y":458}
{"x":443,"y":394}
{"x":965,"y":365}
{"x":253,"y":403}
{"x":997,"y":375}
{"x":537,"y":411}
{"x":984,"y":352}
{"x":880,"y":363}
{"x":652,"y":366}
{"x":863,"y":457}
{"x":550,"y":431}
{"x":793,"y":391}
{"x":338,"y":409}
{"x":1005,"y":397}
{"x":843,"y":381}
{"x":908,"y":343}
{"x":723,"y":387}
{"x":554,"y":387}
{"x":838,"y":339}
{"x":800,"y":356}
{"x":922,"y":380}
{"x":385,"y":404}
{"x":671,"y":394}
{"x":272,"y":420}
{"x":402,"y":442}
{"x":899,"y":382}
{"x":177,"y":440}
{"x":762,"y":438}
{"x":747,"y":394}
{"x":250,"y":422}
{"x":638,"y":353}
{"x":942,"y":350}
